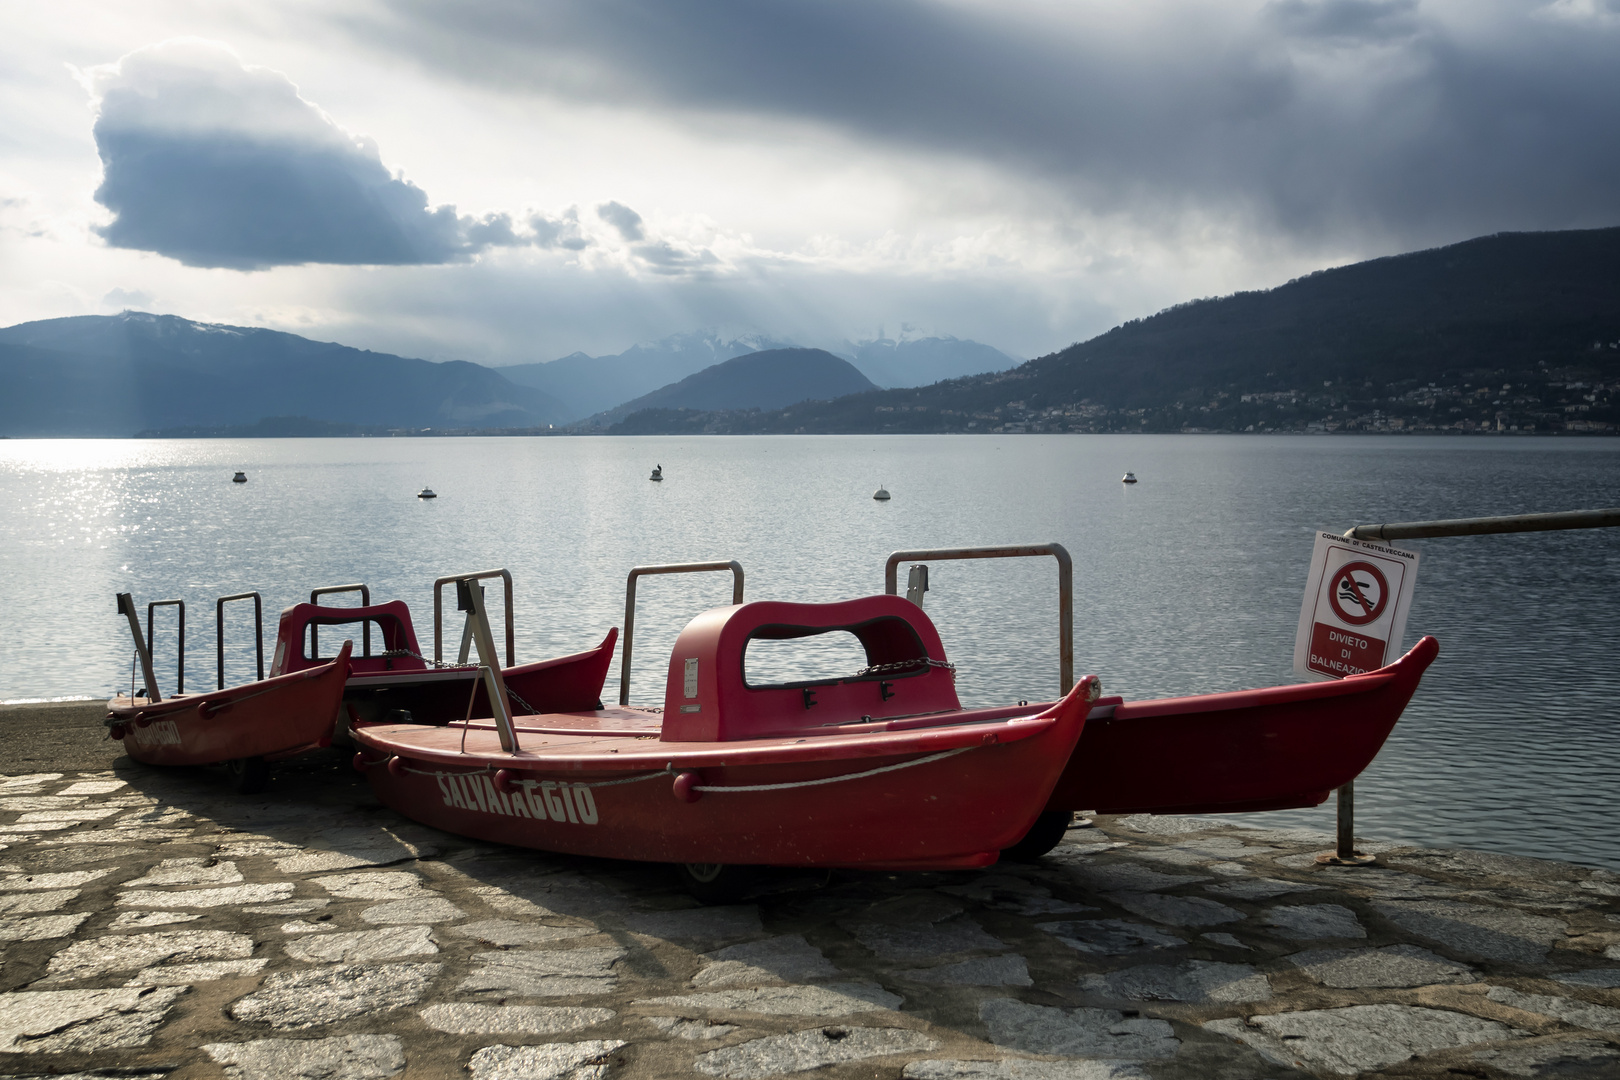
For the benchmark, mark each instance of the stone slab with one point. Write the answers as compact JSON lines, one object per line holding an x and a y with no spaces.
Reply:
{"x":1110,"y":937}
{"x":800,"y":1051}
{"x":363,"y":945}
{"x":466,"y":1018}
{"x":1199,"y":982}
{"x":1476,"y":930}
{"x":784,"y":959}
{"x":835,"y":999}
{"x":1100,"y":1033}
{"x":304,"y":999}
{"x":1312,"y":922}
{"x":1392,"y":966}
{"x":1359,"y":1038}
{"x":549,"y":1061}
{"x":345,"y":1057}
{"x":1024,"y":1069}
{"x":544,"y":972}
{"x":59,"y":1021}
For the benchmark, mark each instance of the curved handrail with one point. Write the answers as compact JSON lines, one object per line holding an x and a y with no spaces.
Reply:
{"x":630,"y":604}
{"x":365,"y":624}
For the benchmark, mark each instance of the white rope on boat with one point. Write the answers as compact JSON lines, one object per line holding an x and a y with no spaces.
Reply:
{"x":942,"y":755}
{"x":670,"y":770}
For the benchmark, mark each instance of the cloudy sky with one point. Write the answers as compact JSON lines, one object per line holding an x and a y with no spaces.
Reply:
{"x":514,"y":180}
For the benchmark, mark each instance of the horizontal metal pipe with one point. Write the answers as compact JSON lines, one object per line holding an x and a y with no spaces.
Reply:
{"x":1512,"y":523}
{"x":438,"y":611}
{"x":891,"y":585}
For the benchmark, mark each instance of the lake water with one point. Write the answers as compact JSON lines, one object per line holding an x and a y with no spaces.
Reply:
{"x":1188,"y":582}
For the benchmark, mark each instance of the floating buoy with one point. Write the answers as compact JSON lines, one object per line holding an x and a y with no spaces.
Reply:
{"x":427,"y":493}
{"x":239,"y":478}
{"x":1128,"y":478}
{"x":657,"y":473}
{"x":881,"y":494}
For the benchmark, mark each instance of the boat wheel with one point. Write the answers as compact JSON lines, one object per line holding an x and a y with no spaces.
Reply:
{"x":1043,"y":836}
{"x":717,"y":883}
{"x":248,"y":775}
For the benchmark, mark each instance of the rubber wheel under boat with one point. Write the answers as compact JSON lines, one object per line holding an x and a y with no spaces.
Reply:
{"x":1043,"y":836}
{"x":717,"y":883}
{"x":248,"y":775}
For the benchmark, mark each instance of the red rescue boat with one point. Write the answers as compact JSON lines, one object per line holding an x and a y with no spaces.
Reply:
{"x":241,"y":726}
{"x":878,"y":769}
{"x":1273,"y":749}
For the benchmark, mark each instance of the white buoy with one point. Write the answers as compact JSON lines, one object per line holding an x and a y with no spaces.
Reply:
{"x":1128,"y":478}
{"x":427,"y":493}
{"x":881,"y":494}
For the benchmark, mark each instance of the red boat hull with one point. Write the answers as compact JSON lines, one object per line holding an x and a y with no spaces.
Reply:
{"x":1273,"y":749}
{"x":273,"y":718}
{"x":948,"y":797}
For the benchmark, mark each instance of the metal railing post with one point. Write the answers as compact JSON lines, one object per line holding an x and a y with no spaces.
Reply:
{"x":891,"y":585}
{"x":180,"y":660}
{"x":365,"y":624}
{"x":438,"y":613}
{"x":126,"y":607}
{"x":630,"y":605}
{"x":258,"y":630}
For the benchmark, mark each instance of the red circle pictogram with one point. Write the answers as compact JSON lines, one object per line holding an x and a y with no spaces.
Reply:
{"x":1356,"y":599}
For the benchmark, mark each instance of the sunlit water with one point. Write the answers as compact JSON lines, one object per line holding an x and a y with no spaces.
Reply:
{"x":1188,"y":582}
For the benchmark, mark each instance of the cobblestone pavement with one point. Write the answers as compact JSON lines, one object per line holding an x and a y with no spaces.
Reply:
{"x":156,"y":925}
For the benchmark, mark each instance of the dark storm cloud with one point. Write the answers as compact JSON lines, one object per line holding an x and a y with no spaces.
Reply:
{"x":215,"y":164}
{"x":1309,"y":117}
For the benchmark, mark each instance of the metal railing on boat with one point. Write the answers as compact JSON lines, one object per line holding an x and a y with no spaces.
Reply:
{"x":180,"y":643}
{"x":258,"y":630}
{"x":334,"y":590}
{"x":467,"y":631}
{"x":1012,"y":551}
{"x":630,"y":605}
{"x":470,"y":598}
{"x":1344,"y":852}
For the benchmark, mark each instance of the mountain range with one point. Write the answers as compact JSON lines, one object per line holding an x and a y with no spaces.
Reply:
{"x":768,"y":379}
{"x":1516,"y":332}
{"x":137,"y":372}
{"x":95,"y":375}
{"x":587,"y":385}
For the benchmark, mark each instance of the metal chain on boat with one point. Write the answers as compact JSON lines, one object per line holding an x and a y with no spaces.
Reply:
{"x":902,"y":665}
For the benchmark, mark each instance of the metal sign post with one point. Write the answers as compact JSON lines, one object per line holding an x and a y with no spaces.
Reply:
{"x":1345,"y":853}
